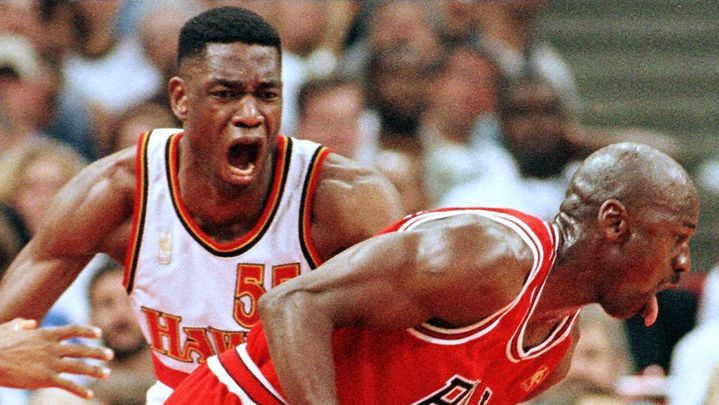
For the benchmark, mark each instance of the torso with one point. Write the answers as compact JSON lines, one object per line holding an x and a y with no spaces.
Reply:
{"x":194,"y":295}
{"x":490,"y":361}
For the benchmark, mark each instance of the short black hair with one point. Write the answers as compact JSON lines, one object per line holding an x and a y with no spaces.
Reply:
{"x":225,"y":25}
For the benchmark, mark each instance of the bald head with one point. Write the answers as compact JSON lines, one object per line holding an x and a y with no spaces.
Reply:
{"x":636,"y":175}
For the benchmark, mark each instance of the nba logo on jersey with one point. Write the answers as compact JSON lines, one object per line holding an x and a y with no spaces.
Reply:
{"x":164,"y":248}
{"x":536,"y":378}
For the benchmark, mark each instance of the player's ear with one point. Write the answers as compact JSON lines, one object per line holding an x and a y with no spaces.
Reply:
{"x":612,"y":219}
{"x":178,"y":97}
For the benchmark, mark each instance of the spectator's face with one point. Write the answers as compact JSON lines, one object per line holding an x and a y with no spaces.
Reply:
{"x":331,"y":118}
{"x":403,"y":23}
{"x":534,"y":119}
{"x":29,"y":101}
{"x":230,"y":102}
{"x":41,"y":180}
{"x":594,"y":358}
{"x":111,"y":312}
{"x":159,"y":40}
{"x":301,"y":24}
{"x":398,"y":88}
{"x":535,"y":128}
{"x":466,"y":88}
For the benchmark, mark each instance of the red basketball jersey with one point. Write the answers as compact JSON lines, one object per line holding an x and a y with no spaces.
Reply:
{"x":485,"y":363}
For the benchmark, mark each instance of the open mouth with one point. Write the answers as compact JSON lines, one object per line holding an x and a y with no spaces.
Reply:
{"x":243,"y":156}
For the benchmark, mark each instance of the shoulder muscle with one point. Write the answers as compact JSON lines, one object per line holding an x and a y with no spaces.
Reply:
{"x":354,"y":202}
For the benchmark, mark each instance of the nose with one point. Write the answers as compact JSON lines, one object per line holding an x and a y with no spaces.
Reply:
{"x":247,"y":115}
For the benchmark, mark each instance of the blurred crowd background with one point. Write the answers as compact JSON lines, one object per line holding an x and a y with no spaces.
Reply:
{"x":457,"y":102}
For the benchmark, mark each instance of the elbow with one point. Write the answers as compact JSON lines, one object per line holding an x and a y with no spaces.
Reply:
{"x":278,"y":303}
{"x":270,"y":303}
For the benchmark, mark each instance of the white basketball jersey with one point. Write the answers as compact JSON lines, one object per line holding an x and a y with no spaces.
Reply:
{"x":195,"y":297}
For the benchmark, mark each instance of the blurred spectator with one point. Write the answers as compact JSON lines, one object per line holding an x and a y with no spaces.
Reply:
{"x":601,"y":355}
{"x":126,"y":128}
{"x":36,"y":100}
{"x":535,"y":129}
{"x":330,"y":113}
{"x":397,"y":91}
{"x":25,"y":90}
{"x":507,"y":32}
{"x":159,"y":29}
{"x":459,"y":131}
{"x":109,"y":53}
{"x":31,"y":175}
{"x":600,"y":359}
{"x":132,"y":372}
{"x":381,"y":25}
{"x":696,"y":356}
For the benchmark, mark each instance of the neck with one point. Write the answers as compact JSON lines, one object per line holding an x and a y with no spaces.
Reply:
{"x":455,"y":133}
{"x":568,"y":288}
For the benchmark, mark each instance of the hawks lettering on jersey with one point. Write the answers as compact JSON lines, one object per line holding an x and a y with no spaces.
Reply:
{"x":200,"y":343}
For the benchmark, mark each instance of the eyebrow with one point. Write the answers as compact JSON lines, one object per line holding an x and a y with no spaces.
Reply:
{"x":240,"y":83}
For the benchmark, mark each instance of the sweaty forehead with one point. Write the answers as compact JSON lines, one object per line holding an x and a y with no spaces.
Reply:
{"x":674,"y":196}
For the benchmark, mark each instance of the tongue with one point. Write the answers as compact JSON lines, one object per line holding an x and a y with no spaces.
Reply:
{"x":240,"y":158}
{"x":650,"y":311}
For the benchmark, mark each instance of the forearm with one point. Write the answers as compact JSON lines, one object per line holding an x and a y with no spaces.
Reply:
{"x":300,"y":344}
{"x":30,"y":287}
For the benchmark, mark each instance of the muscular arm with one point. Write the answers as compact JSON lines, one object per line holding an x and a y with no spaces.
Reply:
{"x":391,"y":281}
{"x":352,"y":203}
{"x":89,"y":215}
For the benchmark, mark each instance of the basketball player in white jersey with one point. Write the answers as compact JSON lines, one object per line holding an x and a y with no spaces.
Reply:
{"x":208,"y":217}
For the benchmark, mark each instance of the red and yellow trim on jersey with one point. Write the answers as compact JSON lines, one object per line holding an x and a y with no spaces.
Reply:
{"x":246,"y":241}
{"x":138,"y":211}
{"x":308,"y":193}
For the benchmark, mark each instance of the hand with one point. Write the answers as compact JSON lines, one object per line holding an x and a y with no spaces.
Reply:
{"x":32,"y":357}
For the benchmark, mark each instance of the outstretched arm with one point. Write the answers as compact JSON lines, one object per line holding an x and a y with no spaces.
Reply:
{"x":91,"y":214}
{"x":391,"y":281}
{"x":32,"y":357}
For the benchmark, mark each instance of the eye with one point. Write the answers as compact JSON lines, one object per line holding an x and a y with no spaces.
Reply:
{"x":224,"y":93}
{"x":269,"y":94}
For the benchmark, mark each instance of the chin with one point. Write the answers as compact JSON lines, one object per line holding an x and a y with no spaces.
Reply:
{"x":621,"y":312}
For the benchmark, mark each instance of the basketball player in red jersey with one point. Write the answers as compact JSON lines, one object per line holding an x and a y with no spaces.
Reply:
{"x":210,"y":216}
{"x":466,"y":305}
